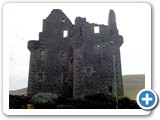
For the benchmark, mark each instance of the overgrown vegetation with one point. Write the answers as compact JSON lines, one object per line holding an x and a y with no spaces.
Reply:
{"x":18,"y":102}
{"x":51,"y":101}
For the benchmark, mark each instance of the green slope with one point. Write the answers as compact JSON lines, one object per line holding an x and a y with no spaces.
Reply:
{"x":132,"y":84}
{"x":22,"y":91}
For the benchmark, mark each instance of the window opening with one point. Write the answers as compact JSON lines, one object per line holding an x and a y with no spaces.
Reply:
{"x":40,"y":77}
{"x":96,"y":29}
{"x":63,"y":20}
{"x":98,"y":46}
{"x":81,"y":30}
{"x":88,"y":70}
{"x":42,"y":54}
{"x":65,"y":33}
{"x":71,"y":61}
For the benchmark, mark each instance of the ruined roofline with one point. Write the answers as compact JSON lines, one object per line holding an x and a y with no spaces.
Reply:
{"x":84,"y":18}
{"x":111,"y":18}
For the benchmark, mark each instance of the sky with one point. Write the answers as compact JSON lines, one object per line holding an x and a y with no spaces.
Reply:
{"x":23,"y":22}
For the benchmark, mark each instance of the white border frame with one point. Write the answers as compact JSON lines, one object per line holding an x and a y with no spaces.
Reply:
{"x":8,"y":111}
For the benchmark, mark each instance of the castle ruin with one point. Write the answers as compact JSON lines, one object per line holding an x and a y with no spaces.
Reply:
{"x":78,"y":59}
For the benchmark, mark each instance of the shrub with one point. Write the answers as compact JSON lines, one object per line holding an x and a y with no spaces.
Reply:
{"x":44,"y":100}
{"x":101,"y":101}
{"x":124,"y":102}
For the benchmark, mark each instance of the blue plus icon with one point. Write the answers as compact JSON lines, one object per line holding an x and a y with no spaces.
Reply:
{"x":147,"y":99}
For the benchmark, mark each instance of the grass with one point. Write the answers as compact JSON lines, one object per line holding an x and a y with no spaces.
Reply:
{"x":132,"y":84}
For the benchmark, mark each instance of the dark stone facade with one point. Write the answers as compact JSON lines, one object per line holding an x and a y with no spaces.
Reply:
{"x":73,"y":60}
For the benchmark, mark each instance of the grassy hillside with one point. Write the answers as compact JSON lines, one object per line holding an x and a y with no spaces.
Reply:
{"x":22,"y":91}
{"x":132,"y":85}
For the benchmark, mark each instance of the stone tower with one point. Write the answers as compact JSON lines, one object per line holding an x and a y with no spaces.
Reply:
{"x":78,"y":59}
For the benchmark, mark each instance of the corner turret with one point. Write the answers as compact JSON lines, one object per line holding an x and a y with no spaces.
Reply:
{"x":33,"y":45}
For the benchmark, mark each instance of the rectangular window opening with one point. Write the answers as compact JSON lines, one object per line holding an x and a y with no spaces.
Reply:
{"x":88,"y":70}
{"x":63,"y":20}
{"x":65,"y":33}
{"x":42,"y":54}
{"x":40,"y":77}
{"x":81,"y":30}
{"x":71,"y":61}
{"x":96,"y":29}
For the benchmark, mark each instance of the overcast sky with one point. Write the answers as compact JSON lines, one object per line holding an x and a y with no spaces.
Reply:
{"x":23,"y":22}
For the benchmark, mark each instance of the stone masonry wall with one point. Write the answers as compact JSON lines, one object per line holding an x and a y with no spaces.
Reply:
{"x":75,"y":60}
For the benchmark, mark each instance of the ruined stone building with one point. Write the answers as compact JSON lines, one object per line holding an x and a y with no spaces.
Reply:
{"x":78,"y":59}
